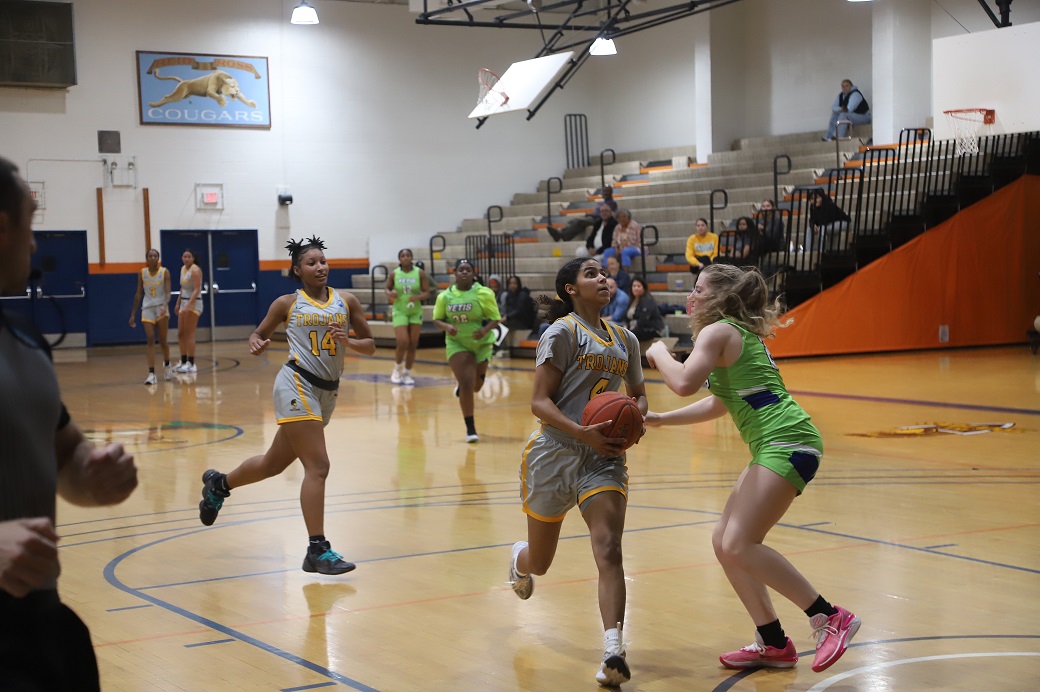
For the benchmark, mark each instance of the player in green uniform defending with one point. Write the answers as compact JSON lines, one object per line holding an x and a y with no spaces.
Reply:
{"x":467,"y":313}
{"x":730,"y":311}
{"x":406,"y":288}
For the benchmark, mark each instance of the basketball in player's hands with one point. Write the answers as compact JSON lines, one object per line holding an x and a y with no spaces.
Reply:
{"x":619,"y":408}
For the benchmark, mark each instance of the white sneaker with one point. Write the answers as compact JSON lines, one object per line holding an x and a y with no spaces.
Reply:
{"x":181,"y":367}
{"x":191,"y":368}
{"x":406,"y":379}
{"x":522,"y":586}
{"x":614,"y":669}
{"x":168,"y":373}
{"x":395,"y":376}
{"x":471,"y":438}
{"x":150,"y":379}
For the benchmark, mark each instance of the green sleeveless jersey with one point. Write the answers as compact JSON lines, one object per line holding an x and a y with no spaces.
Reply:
{"x":754,"y":394}
{"x":466,"y":310}
{"x":407,"y":285}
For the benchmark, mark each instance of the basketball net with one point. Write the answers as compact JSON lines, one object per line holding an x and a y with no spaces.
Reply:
{"x":966,"y":124}
{"x":487,"y":81}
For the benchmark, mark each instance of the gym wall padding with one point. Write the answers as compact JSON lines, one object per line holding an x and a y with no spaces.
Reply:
{"x":976,"y":273}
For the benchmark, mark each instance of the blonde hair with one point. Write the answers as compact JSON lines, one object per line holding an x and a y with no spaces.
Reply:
{"x":741,"y":295}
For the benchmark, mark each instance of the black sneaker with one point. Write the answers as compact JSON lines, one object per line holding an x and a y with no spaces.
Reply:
{"x":212,"y":497}
{"x":328,"y":562}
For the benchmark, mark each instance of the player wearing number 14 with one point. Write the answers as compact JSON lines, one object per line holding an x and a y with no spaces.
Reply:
{"x":317,"y":323}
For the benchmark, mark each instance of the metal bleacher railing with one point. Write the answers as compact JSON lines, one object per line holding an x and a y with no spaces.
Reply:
{"x":896,"y":193}
{"x":493,"y":253}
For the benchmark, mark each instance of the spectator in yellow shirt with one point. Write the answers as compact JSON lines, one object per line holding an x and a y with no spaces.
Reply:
{"x":701,"y":248}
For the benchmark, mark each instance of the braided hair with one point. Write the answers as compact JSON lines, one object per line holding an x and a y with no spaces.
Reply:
{"x":296,"y":249}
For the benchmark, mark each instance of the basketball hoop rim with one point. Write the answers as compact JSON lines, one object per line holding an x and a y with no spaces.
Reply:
{"x":489,"y":80}
{"x":986,"y":116}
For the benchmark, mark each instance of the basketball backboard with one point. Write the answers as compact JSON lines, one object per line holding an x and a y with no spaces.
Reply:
{"x":524,"y":82}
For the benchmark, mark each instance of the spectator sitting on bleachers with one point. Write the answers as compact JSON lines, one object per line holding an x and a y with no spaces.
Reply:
{"x":824,"y":217}
{"x":739,"y":246}
{"x":644,"y":319}
{"x":620,"y":276}
{"x":770,"y":226}
{"x":578,"y":225}
{"x":702,"y":247}
{"x":849,"y":105}
{"x":516,"y":305}
{"x":627,"y":241}
{"x":494,"y":282}
{"x":617,"y":309}
{"x":601,"y":235}
{"x":608,"y":200}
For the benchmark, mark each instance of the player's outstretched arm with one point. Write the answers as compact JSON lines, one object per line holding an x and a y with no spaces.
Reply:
{"x":706,"y":409}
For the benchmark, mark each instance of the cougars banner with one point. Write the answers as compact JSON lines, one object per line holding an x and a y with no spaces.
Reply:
{"x":205,"y":90}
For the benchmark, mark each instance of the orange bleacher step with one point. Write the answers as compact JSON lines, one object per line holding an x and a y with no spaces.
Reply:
{"x":673,"y":268}
{"x":626,"y":183}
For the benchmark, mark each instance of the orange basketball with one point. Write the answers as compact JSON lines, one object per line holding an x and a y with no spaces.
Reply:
{"x":617,"y":407}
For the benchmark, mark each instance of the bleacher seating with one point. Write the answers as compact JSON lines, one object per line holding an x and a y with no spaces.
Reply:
{"x":876,"y":186}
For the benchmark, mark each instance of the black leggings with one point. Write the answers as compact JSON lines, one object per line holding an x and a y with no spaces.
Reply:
{"x":44,"y":646}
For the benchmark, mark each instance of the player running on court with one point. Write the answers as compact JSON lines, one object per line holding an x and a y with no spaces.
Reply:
{"x":406,"y":288}
{"x":567,"y":464}
{"x":730,"y":311}
{"x":467,"y":313}
{"x":317,"y":321}
{"x":153,"y":286}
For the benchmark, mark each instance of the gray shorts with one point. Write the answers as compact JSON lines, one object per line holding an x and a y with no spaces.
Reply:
{"x":155,"y":313}
{"x":296,"y":399}
{"x":557,"y":474}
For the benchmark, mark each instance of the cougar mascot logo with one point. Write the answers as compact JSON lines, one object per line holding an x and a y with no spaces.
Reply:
{"x":218,"y":85}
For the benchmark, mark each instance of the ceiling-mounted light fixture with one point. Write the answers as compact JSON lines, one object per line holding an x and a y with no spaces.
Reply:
{"x":304,"y":14}
{"x":603,"y":46}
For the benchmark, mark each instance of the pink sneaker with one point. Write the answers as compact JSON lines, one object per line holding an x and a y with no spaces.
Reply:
{"x":758,"y":655}
{"x":833,"y":635}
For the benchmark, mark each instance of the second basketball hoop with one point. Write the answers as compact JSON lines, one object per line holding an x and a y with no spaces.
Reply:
{"x":966,"y":124}
{"x":489,"y":96}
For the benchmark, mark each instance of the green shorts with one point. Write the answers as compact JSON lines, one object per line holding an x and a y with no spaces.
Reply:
{"x":405,"y":317}
{"x":482,"y":351}
{"x":795,"y":461}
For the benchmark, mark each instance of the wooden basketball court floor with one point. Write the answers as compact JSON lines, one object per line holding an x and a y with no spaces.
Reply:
{"x":931,"y":537}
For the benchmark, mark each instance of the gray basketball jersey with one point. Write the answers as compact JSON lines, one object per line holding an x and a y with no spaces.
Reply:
{"x":593,"y":360}
{"x":310,"y":343}
{"x":154,"y":288}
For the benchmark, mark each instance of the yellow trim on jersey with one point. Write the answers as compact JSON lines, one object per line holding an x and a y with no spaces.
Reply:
{"x":145,"y":272}
{"x":296,"y":419}
{"x":606,"y":326}
{"x":604,"y":489}
{"x":523,"y":485}
{"x":316,"y":303}
{"x":303,"y":397}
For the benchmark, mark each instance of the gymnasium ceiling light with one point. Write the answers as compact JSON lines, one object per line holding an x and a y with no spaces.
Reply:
{"x":603,"y":46}
{"x":304,"y":14}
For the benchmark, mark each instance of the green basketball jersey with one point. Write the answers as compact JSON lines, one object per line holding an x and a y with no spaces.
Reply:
{"x":466,"y":310}
{"x":754,"y":393}
{"x":407,"y":285}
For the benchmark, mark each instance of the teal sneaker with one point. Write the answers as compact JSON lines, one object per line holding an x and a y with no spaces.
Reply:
{"x":212,"y":497}
{"x":328,"y":562}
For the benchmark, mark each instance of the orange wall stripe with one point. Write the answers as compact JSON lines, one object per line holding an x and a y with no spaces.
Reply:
{"x":116,"y":267}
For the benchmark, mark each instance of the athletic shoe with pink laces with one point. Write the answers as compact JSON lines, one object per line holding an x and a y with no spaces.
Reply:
{"x":832,"y":635}
{"x":758,"y":655}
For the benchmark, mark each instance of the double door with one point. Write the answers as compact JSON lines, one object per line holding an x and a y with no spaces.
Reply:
{"x":230,"y":264}
{"x":55,"y":298}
